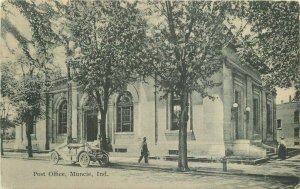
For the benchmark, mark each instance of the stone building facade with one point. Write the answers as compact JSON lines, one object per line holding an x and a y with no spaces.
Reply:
{"x":288,"y":123}
{"x":242,"y":115}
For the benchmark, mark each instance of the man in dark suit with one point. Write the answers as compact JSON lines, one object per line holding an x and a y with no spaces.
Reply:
{"x":144,"y":151}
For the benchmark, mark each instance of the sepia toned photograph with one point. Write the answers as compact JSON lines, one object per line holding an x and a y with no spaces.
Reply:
{"x":150,"y":94}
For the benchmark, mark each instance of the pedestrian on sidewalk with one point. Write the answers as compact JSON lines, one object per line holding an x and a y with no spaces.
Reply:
{"x":282,"y":149}
{"x":144,"y":151}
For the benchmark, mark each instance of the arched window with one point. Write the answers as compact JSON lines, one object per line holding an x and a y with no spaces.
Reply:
{"x":278,"y":123}
{"x":296,"y":116}
{"x":62,"y":118}
{"x":125,"y":113}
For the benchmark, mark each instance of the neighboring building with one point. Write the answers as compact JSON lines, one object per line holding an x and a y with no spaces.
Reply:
{"x":288,"y":123}
{"x":242,"y":115}
{"x":9,"y":133}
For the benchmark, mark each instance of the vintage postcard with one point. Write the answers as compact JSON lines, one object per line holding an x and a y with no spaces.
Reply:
{"x":149,"y":94}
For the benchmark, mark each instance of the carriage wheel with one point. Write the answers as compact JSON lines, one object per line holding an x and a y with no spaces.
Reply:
{"x":84,"y":159}
{"x":104,"y":160}
{"x":54,"y":158}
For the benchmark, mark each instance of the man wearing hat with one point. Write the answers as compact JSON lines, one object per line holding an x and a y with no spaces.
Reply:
{"x":144,"y":151}
{"x":282,"y":149}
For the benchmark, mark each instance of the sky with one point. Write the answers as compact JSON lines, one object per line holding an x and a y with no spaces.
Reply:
{"x":283,"y":94}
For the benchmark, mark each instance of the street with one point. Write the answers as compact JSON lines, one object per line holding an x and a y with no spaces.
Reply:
{"x":20,"y":173}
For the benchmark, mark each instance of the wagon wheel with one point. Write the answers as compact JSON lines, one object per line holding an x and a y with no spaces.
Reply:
{"x":84,"y":159}
{"x":104,"y":160}
{"x":54,"y":158}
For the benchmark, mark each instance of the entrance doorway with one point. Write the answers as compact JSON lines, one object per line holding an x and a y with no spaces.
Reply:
{"x":91,"y":125}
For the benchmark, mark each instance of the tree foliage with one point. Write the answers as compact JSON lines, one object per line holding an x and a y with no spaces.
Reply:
{"x":34,"y":62}
{"x":109,"y":47}
{"x":272,"y":44}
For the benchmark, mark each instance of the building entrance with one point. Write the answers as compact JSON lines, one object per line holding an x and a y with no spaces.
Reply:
{"x":91,"y":125}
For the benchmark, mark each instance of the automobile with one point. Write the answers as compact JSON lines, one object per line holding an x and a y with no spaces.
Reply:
{"x":83,"y":153}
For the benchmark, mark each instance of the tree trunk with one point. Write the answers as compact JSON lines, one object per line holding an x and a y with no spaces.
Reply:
{"x":29,"y":129}
{"x":2,"y":152}
{"x":103,"y":130}
{"x":103,"y":111}
{"x":182,"y":146}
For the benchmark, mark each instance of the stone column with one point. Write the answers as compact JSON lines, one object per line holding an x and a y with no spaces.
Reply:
{"x":227,"y":103}
{"x":169,"y":112}
{"x":50,"y":111}
{"x":264,"y":115}
{"x":83,"y":128}
{"x":54,"y":125}
{"x":19,"y":137}
{"x":79,"y":123}
{"x":74,"y":112}
{"x":274,"y":118}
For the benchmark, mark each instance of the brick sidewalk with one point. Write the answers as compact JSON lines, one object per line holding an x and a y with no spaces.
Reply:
{"x":274,"y":168}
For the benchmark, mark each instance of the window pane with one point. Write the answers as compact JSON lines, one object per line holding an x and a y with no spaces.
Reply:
{"x":125,"y":113}
{"x":296,"y":132}
{"x":269,"y":123}
{"x":255,"y":115}
{"x":296,"y":116}
{"x":62,"y":127}
{"x":279,"y":123}
{"x":119,"y":115}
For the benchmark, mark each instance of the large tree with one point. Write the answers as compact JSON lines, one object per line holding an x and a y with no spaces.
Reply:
{"x":7,"y":85}
{"x":34,"y":59}
{"x":190,"y":36}
{"x":110,"y":40}
{"x":187,"y":51}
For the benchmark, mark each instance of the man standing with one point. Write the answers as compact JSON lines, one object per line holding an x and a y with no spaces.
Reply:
{"x":282,"y":149}
{"x":144,"y":151}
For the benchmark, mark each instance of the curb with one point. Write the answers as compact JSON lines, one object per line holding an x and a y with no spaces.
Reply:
{"x":174,"y":170}
{"x":205,"y":172}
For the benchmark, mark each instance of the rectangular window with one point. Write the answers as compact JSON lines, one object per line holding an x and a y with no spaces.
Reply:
{"x":269,"y":119}
{"x":255,"y":115}
{"x":125,"y":119}
{"x":173,"y":152}
{"x":296,"y":116}
{"x":121,"y":150}
{"x":236,"y":97}
{"x":278,"y":123}
{"x":296,"y":136}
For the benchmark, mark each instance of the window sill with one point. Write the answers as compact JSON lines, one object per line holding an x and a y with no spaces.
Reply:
{"x":172,"y":135}
{"x":124,"y":133}
{"x":171,"y":131}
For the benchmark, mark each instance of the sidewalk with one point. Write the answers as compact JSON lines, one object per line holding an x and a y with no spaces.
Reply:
{"x":274,"y":168}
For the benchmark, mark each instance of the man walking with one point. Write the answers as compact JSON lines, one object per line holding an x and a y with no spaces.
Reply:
{"x":144,"y":151}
